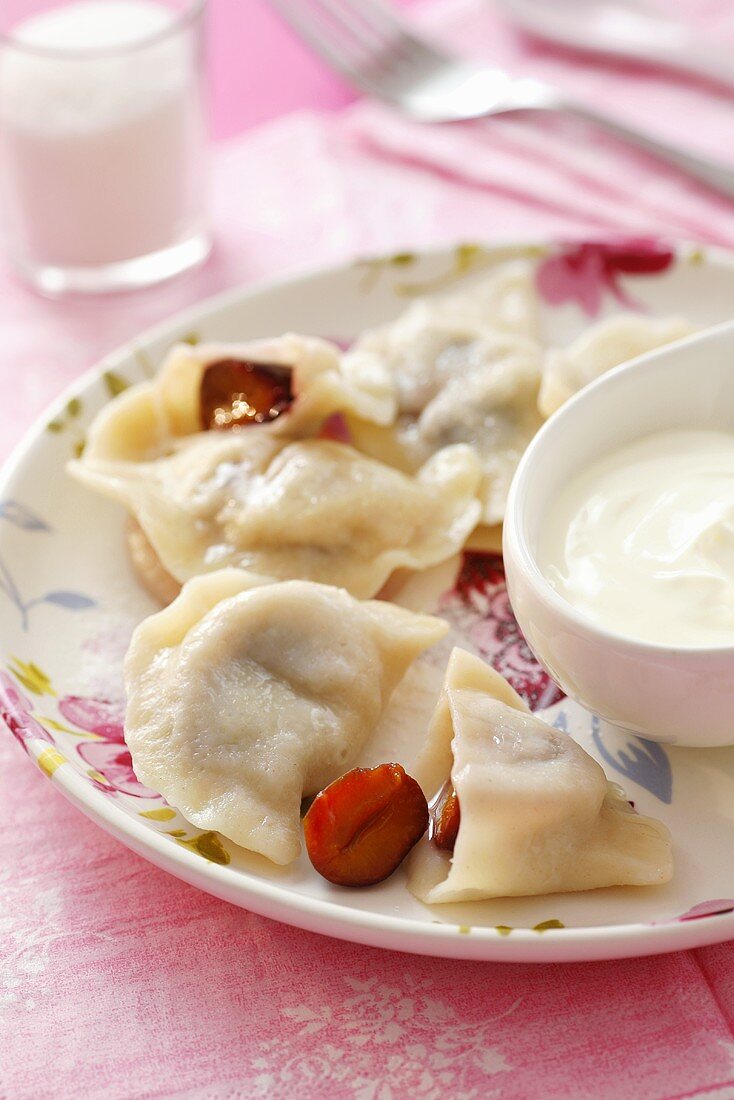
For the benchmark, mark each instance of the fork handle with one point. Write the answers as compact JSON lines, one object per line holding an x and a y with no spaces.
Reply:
{"x":718,"y":176}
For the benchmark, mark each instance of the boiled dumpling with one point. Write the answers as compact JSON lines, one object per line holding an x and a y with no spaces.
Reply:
{"x":245,"y":695}
{"x":314,"y":508}
{"x":537,"y":815}
{"x":465,"y":369}
{"x":147,"y":566}
{"x":494,"y":411}
{"x":601,"y":347}
{"x":431,"y":340}
{"x":489,"y":405}
{"x":149,"y":419}
{"x":507,"y":298}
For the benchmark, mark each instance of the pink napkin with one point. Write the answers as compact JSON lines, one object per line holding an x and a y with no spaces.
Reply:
{"x":117,"y":980}
{"x":561,"y":169}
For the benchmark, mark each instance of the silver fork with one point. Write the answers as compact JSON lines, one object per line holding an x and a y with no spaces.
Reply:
{"x":377,"y":53}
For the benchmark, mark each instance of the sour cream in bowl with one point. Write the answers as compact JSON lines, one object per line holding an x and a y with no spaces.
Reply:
{"x":619,"y":543}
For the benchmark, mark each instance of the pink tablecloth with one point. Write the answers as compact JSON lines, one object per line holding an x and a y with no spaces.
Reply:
{"x":118,"y":981}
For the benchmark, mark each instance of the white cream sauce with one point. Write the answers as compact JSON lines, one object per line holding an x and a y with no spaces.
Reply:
{"x":642,"y":541}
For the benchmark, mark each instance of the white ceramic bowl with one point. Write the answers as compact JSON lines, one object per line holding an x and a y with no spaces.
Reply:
{"x":666,"y":693}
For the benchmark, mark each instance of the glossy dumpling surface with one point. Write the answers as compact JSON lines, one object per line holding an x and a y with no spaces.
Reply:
{"x":315,"y":509}
{"x":245,"y":695}
{"x":149,"y":419}
{"x":601,"y":347}
{"x":494,"y":411}
{"x":465,"y":369}
{"x":537,"y":814}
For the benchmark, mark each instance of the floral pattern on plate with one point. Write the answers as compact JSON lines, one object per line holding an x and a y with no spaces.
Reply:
{"x":25,"y":519}
{"x":94,"y":728}
{"x":583,"y":273}
{"x":76,"y":734}
{"x":478,"y":607}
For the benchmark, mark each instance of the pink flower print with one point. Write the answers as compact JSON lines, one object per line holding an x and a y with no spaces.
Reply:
{"x":479,"y":608}
{"x":94,"y":716}
{"x":113,"y":761}
{"x":109,"y":757}
{"x":709,"y":909}
{"x":16,"y":711}
{"x":583,"y":273}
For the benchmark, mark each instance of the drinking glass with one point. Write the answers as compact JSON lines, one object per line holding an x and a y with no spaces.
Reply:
{"x":102,"y":141}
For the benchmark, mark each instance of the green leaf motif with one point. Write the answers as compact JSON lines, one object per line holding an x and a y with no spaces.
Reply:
{"x":163,"y":813}
{"x":31,"y":677}
{"x":79,"y":447}
{"x":544,"y":926}
{"x":55,"y":426}
{"x":402,"y":259}
{"x":373,"y":268}
{"x":73,"y":407}
{"x":209,"y":845}
{"x":466,"y":256}
{"x":115,"y":383}
{"x":192,"y":338}
{"x":547,"y":925}
{"x":51,"y":723}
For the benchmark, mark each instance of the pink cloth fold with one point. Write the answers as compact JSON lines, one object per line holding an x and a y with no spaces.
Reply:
{"x":564,"y":168}
{"x":116,"y":980}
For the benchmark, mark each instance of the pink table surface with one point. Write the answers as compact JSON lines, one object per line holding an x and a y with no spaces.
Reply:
{"x":259,"y":69}
{"x":117,"y":980}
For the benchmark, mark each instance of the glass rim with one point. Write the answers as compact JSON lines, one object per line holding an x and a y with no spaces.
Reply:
{"x":188,"y":14}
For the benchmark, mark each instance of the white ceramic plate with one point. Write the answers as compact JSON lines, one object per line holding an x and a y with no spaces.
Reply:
{"x":68,"y":602}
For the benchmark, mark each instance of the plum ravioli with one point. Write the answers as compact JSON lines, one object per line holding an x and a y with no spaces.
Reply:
{"x":312,"y":508}
{"x":246,"y":695}
{"x":536,"y":812}
{"x":292,"y":383}
{"x":464,"y":369}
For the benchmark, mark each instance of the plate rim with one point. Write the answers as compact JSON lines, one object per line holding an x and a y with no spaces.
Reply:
{"x":283,"y":903}
{"x":374,"y":929}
